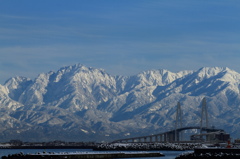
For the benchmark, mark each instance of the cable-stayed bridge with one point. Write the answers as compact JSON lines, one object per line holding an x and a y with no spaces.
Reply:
{"x":176,"y":134}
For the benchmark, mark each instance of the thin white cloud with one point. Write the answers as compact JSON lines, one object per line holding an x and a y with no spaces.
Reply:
{"x":123,"y":40}
{"x":18,"y":17}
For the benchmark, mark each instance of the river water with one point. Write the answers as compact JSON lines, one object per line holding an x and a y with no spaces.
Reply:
{"x":5,"y":152}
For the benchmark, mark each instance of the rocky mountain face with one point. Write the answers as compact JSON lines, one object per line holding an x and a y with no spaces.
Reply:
{"x":79,"y":103}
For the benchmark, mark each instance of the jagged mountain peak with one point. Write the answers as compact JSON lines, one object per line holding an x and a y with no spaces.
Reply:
{"x":158,"y":77}
{"x":208,"y":81}
{"x":79,"y":68}
{"x":16,"y":86}
{"x":76,"y":98}
{"x":206,"y":72}
{"x":13,"y":82}
{"x":77,"y":71}
{"x":216,"y":73}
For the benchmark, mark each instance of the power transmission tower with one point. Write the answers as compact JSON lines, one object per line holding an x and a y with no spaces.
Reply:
{"x":204,"y":114}
{"x":178,"y":123}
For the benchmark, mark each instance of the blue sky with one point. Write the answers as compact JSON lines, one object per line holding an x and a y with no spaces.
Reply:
{"x":124,"y":37}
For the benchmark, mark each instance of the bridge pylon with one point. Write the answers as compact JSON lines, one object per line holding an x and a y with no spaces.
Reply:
{"x":178,"y":124}
{"x":204,"y":115}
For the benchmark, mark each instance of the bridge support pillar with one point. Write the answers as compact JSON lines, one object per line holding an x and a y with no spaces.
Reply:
{"x":171,"y":137}
{"x":177,"y":136}
{"x":165,"y":137}
{"x":178,"y":123}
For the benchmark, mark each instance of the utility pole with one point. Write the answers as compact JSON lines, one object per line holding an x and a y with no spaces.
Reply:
{"x":178,"y":123}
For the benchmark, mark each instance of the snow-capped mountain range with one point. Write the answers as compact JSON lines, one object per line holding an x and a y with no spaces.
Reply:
{"x":79,"y":103}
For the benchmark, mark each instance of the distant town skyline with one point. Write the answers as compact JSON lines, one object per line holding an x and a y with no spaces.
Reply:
{"x":123,"y":37}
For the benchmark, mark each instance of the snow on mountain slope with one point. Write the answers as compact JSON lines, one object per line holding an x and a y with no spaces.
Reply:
{"x":5,"y":101}
{"x":219,"y":85}
{"x":16,"y":86}
{"x":78,"y":88}
{"x":138,"y":93}
{"x":83,"y":103}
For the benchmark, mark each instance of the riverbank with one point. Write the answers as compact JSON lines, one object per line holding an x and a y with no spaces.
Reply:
{"x":212,"y":153}
{"x":47,"y":147}
{"x":45,"y":155}
{"x":115,"y":146}
{"x":146,"y":146}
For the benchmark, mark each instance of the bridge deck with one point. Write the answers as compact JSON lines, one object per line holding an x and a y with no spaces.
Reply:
{"x":168,"y":135}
